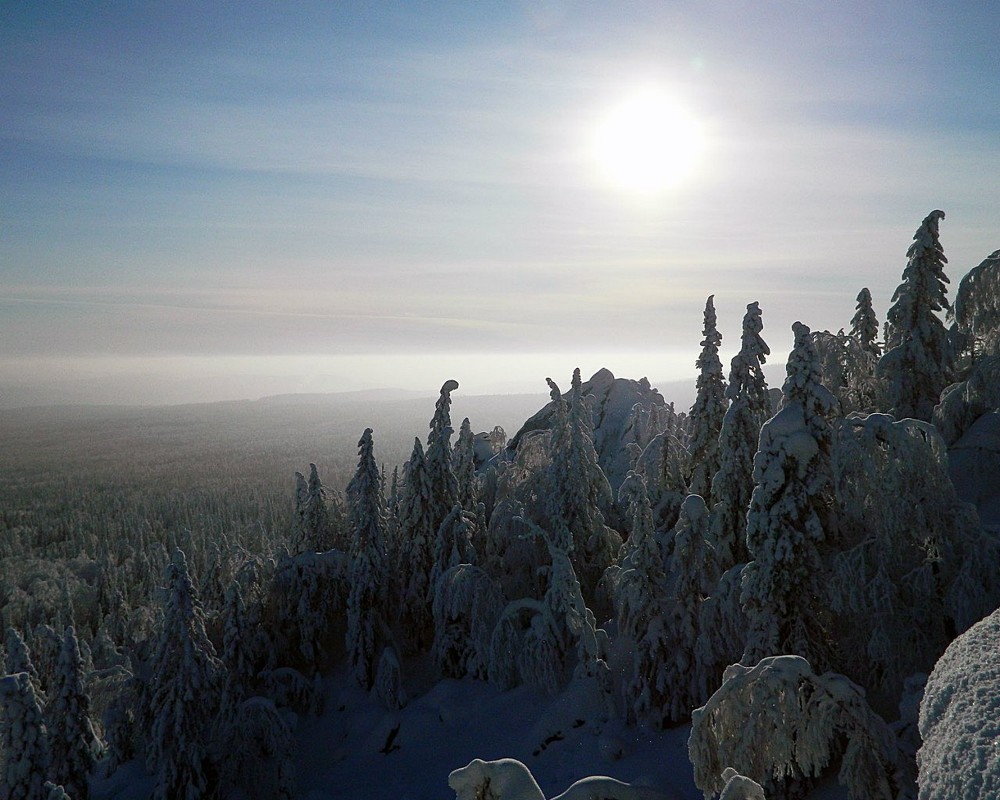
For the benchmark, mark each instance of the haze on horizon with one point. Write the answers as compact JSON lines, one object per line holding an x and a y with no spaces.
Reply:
{"x":202,"y":202}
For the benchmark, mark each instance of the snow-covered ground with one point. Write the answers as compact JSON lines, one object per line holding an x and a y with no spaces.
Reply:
{"x":357,"y":749}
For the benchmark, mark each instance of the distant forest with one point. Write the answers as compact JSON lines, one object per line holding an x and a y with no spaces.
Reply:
{"x":778,"y":567}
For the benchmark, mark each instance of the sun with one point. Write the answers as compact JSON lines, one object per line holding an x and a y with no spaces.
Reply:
{"x":648,"y":143}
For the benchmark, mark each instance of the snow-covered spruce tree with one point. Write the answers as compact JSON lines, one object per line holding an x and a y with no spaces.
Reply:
{"x":709,"y":409}
{"x":691,"y":577}
{"x":789,"y":517}
{"x":864,"y":325}
{"x":977,"y":307}
{"x":73,"y":745}
{"x":260,"y":757}
{"x":467,"y":603}
{"x":534,"y":640}
{"x":366,"y":601}
{"x":915,"y":567}
{"x":22,"y":740}
{"x":18,"y":659}
{"x":185,"y":677}
{"x":642,"y":609}
{"x":664,"y":466}
{"x":577,"y":487}
{"x":301,"y":538}
{"x":444,"y":484}
{"x":452,"y":544}
{"x":779,"y":721}
{"x":237,"y":651}
{"x":53,"y":791}
{"x":317,"y":517}
{"x":848,"y":371}
{"x":464,"y":464}
{"x":746,"y":377}
{"x":417,"y":535}
{"x":722,"y":629}
{"x":917,"y":364}
{"x":977,"y":319}
{"x":749,"y":407}
{"x":639,"y":590}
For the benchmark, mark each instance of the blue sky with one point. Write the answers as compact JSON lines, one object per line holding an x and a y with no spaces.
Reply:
{"x":261,"y":197}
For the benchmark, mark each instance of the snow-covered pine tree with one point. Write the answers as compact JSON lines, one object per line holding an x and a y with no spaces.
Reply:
{"x":709,"y":408}
{"x":464,"y":464}
{"x":864,"y":325}
{"x":789,"y":517}
{"x":918,"y":361}
{"x":366,"y":601}
{"x":749,"y":407}
{"x":416,"y":553}
{"x":73,"y":745}
{"x":577,"y":488}
{"x":185,"y":684}
{"x":444,"y":485}
{"x":22,"y":740}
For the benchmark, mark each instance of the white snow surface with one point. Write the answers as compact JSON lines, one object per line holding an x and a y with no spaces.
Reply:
{"x":960,"y":718}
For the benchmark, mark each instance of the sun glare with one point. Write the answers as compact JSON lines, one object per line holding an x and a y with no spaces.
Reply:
{"x":648,"y":143}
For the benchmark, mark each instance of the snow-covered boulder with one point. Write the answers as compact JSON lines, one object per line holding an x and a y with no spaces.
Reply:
{"x":509,"y":779}
{"x":505,"y":779}
{"x":612,"y":402}
{"x":960,"y":718}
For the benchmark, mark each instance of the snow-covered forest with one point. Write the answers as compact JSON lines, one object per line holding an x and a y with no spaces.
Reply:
{"x":746,"y":598}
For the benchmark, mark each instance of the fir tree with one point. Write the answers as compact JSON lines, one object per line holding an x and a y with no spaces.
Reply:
{"x":917,"y":364}
{"x":22,"y":740}
{"x":733,"y":483}
{"x":18,"y":659}
{"x":864,"y":325}
{"x":365,"y":603}
{"x":317,"y":515}
{"x":746,"y":377}
{"x":464,"y":458}
{"x":302,"y":538}
{"x":416,"y":554}
{"x":444,"y":485}
{"x":577,"y":488}
{"x":789,"y":517}
{"x":237,"y":650}
{"x":709,"y":409}
{"x":641,"y":604}
{"x":693,"y":574}
{"x":185,"y":678}
{"x":73,"y":745}
{"x":452,"y":545}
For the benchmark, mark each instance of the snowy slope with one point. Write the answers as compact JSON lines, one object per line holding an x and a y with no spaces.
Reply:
{"x":357,"y":749}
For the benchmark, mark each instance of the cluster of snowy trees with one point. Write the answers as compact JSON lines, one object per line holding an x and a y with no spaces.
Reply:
{"x":776,"y":563}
